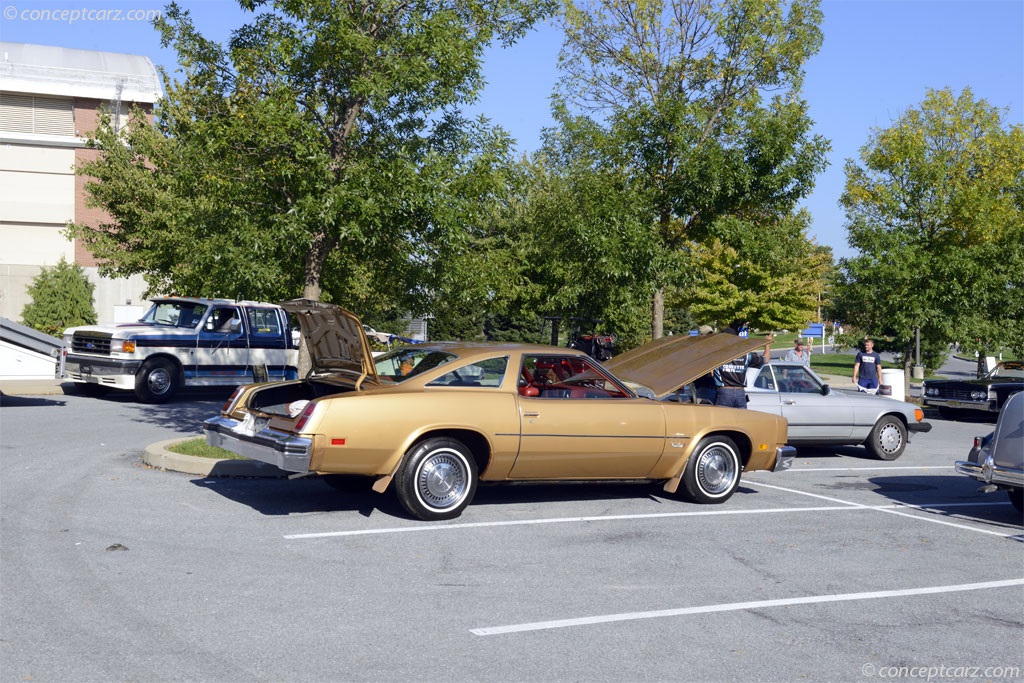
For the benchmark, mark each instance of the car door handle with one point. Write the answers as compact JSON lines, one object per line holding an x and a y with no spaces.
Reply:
{"x":789,"y":402}
{"x":531,"y":414}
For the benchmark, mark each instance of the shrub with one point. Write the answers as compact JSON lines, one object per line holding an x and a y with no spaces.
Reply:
{"x":61,"y":298}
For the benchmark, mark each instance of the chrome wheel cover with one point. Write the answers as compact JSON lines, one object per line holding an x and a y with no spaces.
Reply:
{"x":158,"y":381}
{"x":442,"y":480}
{"x":716,"y":469}
{"x":889,"y":438}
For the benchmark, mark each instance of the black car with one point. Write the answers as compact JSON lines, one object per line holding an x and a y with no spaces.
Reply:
{"x":986,"y":394}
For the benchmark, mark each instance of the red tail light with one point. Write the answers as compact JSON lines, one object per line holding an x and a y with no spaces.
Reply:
{"x":230,"y":403}
{"x":307,"y":413}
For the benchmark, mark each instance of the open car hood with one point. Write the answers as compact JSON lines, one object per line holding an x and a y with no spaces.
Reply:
{"x":669,"y":363}
{"x":335,"y":338}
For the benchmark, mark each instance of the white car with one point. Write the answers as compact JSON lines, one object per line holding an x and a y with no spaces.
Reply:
{"x":820,"y":416}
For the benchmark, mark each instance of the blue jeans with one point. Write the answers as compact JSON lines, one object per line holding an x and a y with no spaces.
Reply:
{"x":731,"y":397}
{"x":868,"y":382}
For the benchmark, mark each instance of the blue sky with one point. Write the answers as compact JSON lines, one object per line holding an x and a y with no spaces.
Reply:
{"x":879,"y":58}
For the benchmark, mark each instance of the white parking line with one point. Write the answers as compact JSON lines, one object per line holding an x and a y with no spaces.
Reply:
{"x":843,"y":506}
{"x":735,"y":606}
{"x":870,"y":469}
{"x":890,"y":509}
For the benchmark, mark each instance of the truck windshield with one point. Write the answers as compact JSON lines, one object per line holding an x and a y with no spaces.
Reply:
{"x":174,"y":313}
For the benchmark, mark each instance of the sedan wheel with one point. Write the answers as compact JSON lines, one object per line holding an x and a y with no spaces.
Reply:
{"x":888,"y":439}
{"x":437,"y":479}
{"x":713,"y":471}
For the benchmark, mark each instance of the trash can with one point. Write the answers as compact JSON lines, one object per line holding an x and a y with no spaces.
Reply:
{"x":917,"y":372}
{"x":895,"y":380}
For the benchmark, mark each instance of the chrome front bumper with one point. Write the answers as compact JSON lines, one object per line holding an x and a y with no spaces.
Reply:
{"x":986,"y":405}
{"x":784,"y":457}
{"x":251,"y":440}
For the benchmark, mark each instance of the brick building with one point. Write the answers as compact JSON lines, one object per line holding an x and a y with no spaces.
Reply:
{"x":50,"y":98}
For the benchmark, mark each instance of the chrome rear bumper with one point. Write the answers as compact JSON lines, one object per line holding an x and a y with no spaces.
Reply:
{"x":247,"y":439}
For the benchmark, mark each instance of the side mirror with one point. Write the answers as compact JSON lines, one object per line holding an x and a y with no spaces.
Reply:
{"x":825,"y":390}
{"x":236,"y":325}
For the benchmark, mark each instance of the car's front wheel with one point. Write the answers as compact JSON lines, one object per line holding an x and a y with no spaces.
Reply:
{"x":712,"y":473}
{"x":157,"y":381}
{"x":437,"y":479}
{"x":888,"y":438}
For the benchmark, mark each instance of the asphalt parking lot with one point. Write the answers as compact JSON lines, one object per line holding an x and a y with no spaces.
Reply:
{"x":842,"y":569}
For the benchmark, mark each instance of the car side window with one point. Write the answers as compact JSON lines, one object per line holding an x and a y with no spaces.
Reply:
{"x":764,"y":379}
{"x":485,"y":373}
{"x":796,"y":380}
{"x":565,"y":377}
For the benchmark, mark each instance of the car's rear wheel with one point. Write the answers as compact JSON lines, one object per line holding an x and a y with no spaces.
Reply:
{"x":1017,"y":498}
{"x":437,"y":479}
{"x":712,"y":473}
{"x":888,"y":438}
{"x":157,"y":381}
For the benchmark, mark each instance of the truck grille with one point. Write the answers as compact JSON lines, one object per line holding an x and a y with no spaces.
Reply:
{"x":88,"y":344}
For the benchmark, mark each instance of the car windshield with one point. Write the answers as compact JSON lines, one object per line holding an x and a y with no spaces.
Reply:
{"x":174,"y":314}
{"x":409,"y":361}
{"x":1013,"y":369}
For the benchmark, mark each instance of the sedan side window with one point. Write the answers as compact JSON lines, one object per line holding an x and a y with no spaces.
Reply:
{"x":485,"y":373}
{"x":566,"y":377}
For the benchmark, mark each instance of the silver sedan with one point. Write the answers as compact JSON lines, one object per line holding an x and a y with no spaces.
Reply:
{"x":821,"y":416}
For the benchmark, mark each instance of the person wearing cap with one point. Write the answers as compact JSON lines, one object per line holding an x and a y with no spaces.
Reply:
{"x":798,"y":353}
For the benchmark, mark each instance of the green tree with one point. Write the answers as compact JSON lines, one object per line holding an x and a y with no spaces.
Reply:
{"x":700,"y":103}
{"x":936,"y":209}
{"x":772,"y":274}
{"x":61,"y":298}
{"x":320,"y":151}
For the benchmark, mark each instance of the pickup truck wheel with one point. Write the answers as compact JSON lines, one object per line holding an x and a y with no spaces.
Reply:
{"x":712,"y":473}
{"x":157,"y":381}
{"x":437,"y":479}
{"x":1017,"y":498}
{"x":888,"y":438}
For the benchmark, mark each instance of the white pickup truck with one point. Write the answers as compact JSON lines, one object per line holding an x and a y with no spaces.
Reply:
{"x":184,"y":341}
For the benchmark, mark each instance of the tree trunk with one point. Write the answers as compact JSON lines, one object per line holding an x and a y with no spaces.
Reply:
{"x":658,"y":314}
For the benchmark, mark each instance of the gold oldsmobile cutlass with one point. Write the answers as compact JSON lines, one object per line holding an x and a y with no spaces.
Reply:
{"x":434,"y":419}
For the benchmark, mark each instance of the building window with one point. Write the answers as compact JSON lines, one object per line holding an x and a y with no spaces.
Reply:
{"x":34,"y":114}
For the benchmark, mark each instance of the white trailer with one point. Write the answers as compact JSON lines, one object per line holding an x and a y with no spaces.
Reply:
{"x":27,"y":354}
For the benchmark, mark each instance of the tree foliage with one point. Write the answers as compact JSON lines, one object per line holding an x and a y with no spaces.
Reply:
{"x":936,"y":209}
{"x":61,"y":298}
{"x":320,"y":151}
{"x":700,"y":103}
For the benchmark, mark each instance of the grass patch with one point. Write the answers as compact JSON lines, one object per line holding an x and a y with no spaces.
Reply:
{"x":199,"y":448}
{"x":833,"y":363}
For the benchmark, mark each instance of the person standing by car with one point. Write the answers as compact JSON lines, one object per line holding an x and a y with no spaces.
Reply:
{"x":798,"y":353}
{"x":731,"y":377}
{"x":867,"y":367}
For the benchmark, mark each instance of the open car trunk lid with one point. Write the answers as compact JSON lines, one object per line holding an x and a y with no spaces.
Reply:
{"x":335,"y":338}
{"x":669,"y":363}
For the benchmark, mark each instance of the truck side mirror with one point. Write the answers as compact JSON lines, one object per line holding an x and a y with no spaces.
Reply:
{"x":236,"y":325}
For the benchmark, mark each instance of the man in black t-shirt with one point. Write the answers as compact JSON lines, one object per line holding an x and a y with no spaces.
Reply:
{"x":731,"y":377}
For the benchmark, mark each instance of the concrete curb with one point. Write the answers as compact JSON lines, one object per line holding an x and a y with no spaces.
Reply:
{"x":158,"y":456}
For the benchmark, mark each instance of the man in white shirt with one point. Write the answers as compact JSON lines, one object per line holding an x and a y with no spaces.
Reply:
{"x":798,"y":353}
